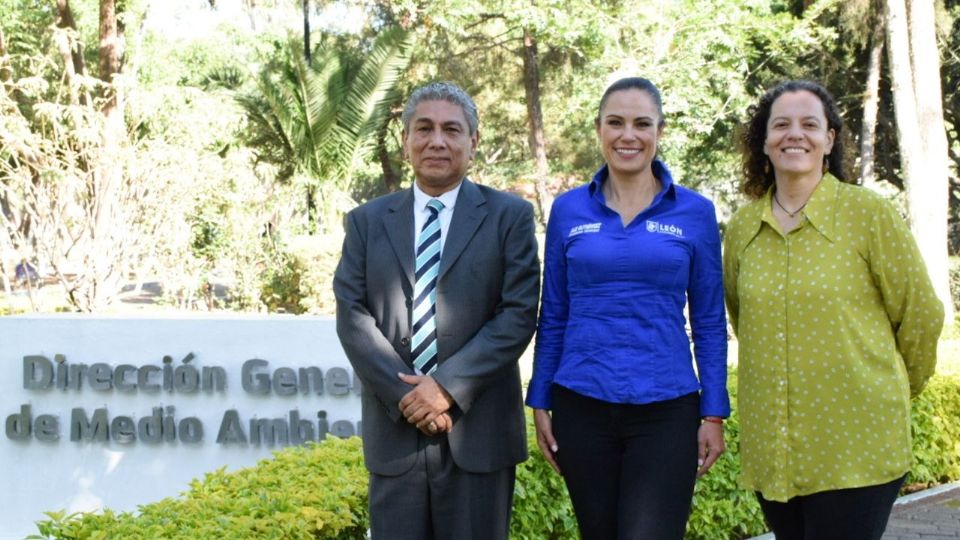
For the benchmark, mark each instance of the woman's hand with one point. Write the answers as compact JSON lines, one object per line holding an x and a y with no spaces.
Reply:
{"x":545,"y":440}
{"x":710,"y":446}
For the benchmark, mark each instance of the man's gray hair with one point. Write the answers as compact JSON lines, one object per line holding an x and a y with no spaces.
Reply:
{"x":441,"y":91}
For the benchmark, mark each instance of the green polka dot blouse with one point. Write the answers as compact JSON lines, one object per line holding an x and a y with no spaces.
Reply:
{"x":838,"y":326}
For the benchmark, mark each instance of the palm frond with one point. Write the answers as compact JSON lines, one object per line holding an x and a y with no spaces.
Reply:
{"x":316,"y":118}
{"x":366,"y":100}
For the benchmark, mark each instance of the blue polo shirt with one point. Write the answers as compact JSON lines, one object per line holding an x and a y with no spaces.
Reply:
{"x":612,"y":322}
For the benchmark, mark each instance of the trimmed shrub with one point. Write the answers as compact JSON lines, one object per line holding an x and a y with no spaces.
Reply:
{"x":541,"y":506}
{"x":935,"y":416}
{"x":954,"y":274}
{"x":306,"y":492}
{"x":319,"y":491}
{"x":298,"y":279}
{"x":721,"y":510}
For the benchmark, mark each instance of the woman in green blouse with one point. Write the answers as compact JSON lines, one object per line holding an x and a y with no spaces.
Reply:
{"x":837,"y":322}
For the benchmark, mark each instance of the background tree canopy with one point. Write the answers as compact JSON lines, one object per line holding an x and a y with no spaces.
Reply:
{"x":217,"y":143}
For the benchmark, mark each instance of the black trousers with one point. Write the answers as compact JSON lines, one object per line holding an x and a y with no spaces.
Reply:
{"x":841,"y":514}
{"x":630,"y":469}
{"x":437,"y":500}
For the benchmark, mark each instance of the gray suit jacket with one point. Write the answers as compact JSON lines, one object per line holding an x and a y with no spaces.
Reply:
{"x":487,"y":294}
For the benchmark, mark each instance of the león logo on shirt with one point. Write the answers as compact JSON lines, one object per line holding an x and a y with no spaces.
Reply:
{"x":585,"y":228}
{"x":657,"y":227}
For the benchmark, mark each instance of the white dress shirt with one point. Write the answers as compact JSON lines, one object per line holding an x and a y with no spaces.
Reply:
{"x":421,"y":213}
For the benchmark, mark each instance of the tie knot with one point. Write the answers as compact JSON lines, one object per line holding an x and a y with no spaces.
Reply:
{"x":435,"y":206}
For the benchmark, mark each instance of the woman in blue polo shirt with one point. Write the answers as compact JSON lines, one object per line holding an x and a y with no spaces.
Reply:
{"x":619,"y":409}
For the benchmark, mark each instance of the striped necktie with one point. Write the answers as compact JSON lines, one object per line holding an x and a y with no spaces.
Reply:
{"x":424,"y":343}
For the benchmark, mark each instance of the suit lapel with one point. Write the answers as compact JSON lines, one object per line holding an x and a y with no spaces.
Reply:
{"x":398,"y":222}
{"x":469,"y":213}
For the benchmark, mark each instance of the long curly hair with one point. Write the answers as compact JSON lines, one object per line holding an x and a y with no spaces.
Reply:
{"x":757,"y":169}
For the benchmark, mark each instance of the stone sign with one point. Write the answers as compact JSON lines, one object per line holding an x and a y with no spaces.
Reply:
{"x":120,"y":411}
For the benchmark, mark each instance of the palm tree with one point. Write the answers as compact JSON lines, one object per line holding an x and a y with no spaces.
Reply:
{"x":314,"y":119}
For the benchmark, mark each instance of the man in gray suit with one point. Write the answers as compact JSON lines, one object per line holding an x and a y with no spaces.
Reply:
{"x":437,"y":291}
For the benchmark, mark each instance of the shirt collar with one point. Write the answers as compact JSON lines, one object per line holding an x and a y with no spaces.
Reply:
{"x":660,"y":171}
{"x":448,"y":198}
{"x":821,"y":207}
{"x":819,"y":211}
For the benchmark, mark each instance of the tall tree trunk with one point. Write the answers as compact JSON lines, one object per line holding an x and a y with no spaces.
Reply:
{"x":66,"y":20}
{"x":391,"y":177}
{"x":313,"y":215}
{"x":5,"y":279}
{"x":306,"y":30}
{"x":109,"y":174}
{"x":110,"y":57}
{"x":538,"y":148}
{"x":871,"y":100}
{"x":111,"y":48}
{"x":250,"y":6}
{"x":914,"y":70}
{"x":930,"y":207}
{"x":6,"y":74}
{"x":62,"y":40}
{"x":71,"y":50}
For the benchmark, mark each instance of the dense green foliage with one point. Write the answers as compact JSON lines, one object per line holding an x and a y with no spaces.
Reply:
{"x":720,"y":509}
{"x":239,"y":145}
{"x":313,"y":491}
{"x":936,"y":433}
{"x":319,"y":491}
{"x":312,"y":119}
{"x":541,"y":507}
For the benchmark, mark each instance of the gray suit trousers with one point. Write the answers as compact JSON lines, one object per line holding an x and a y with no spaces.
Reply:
{"x":436,"y":500}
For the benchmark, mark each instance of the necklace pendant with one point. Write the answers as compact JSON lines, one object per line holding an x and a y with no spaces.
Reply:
{"x":789,"y":213}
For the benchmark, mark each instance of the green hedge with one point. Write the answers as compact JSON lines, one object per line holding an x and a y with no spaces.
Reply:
{"x":936,"y":433}
{"x":720,"y":509}
{"x":306,"y":492}
{"x":319,"y":491}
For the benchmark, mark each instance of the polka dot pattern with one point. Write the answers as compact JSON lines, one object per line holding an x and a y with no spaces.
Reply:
{"x":838,"y":324}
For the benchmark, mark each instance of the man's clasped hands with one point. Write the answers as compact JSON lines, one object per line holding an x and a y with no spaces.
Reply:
{"x":427,"y":405}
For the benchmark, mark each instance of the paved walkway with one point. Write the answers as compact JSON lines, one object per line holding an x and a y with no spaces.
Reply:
{"x":932,"y":514}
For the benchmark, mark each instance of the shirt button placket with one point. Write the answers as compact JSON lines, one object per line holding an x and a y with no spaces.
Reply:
{"x":783,"y":361}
